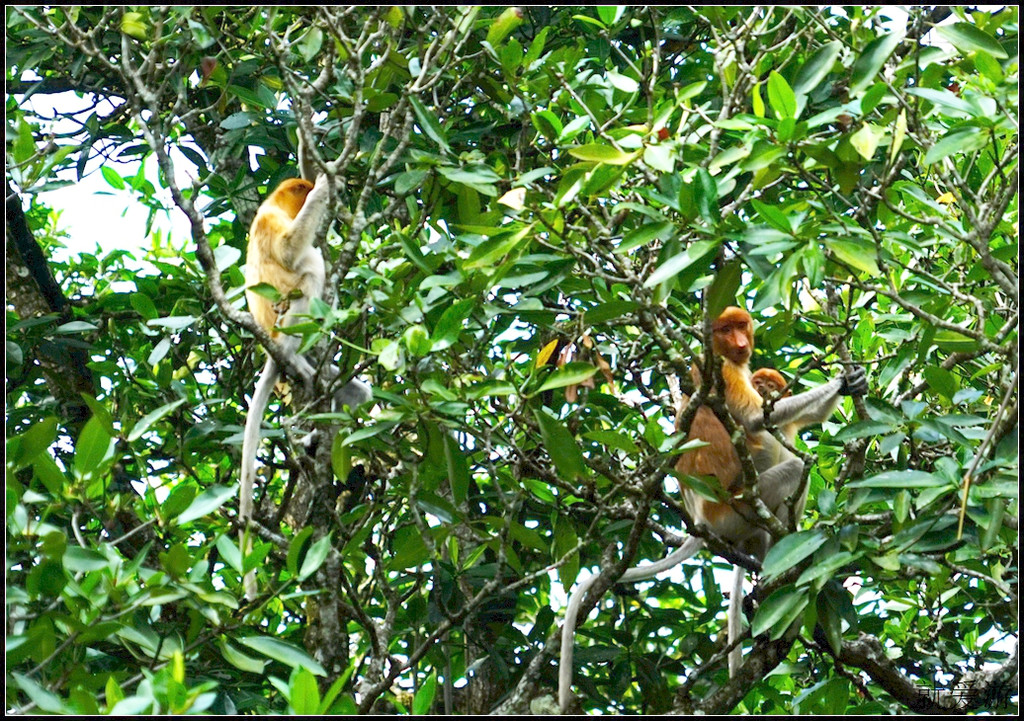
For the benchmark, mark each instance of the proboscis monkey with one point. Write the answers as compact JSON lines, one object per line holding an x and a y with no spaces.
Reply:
{"x":780,"y":473}
{"x":281,"y":254}
{"x":769,"y":383}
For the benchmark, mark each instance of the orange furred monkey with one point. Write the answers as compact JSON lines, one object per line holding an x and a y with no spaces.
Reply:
{"x":768,"y":383}
{"x":780,"y":473}
{"x":281,"y":254}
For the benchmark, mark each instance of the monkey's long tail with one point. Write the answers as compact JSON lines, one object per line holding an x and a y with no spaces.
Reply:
{"x":250,"y":444}
{"x":735,"y":611}
{"x":638,"y":573}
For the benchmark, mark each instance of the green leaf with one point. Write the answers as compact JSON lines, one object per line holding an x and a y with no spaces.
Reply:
{"x":134,"y":25}
{"x":565,"y":541}
{"x":335,"y":689}
{"x":950,"y":340}
{"x":660,"y":157}
{"x":989,"y":67}
{"x":707,"y":197}
{"x":410,"y":180}
{"x":479,"y":177}
{"x":492,"y":250}
{"x":600,"y":153}
{"x":229,"y":552}
{"x":25,"y":147}
{"x":341,"y":458}
{"x":831,"y":623}
{"x":540,"y":490}
{"x":416,"y":340}
{"x":965,"y":139}
{"x":888,"y":561}
{"x":424,"y":697}
{"x":309,"y":43}
{"x":449,"y":325}
{"x":36,"y":440}
{"x":865,"y":141}
{"x":547,"y":124}
{"x":855,"y":253}
{"x":613,"y":439}
{"x":52,"y":477}
{"x":45,"y":700}
{"x":968,"y":38}
{"x":781,"y":97}
{"x":114,"y":180}
{"x":722,"y":292}
{"x":773,"y":215}
{"x":428,"y":122}
{"x":284,"y":652}
{"x":152,"y":417}
{"x":900,"y":479}
{"x":367,"y":432}
{"x":791,"y":550}
{"x":778,"y":612}
{"x":622,"y":82}
{"x":941,"y":380}
{"x":863,"y":429}
{"x":610,"y":14}
{"x":560,"y":445}
{"x":236,"y":658}
{"x":490,"y":388}
{"x":208,"y":501}
{"x":98,"y":632}
{"x":680,"y":262}
{"x":817,"y":67}
{"x":239,"y":120}
{"x":609,"y":311}
{"x":315,"y":557}
{"x":536,"y":48}
{"x":84,"y":560}
{"x":567,"y":375}
{"x":947,"y":101}
{"x":825,"y":567}
{"x":144,"y":306}
{"x":304,"y":696}
{"x":459,"y":476}
{"x":297,"y":549}
{"x":390,"y":357}
{"x":93,"y":448}
{"x":409,"y":549}
{"x":644,"y":235}
{"x":509,"y":20}
{"x":200,"y":35}
{"x":177,"y":500}
{"x":574,"y":128}
{"x":756,"y":101}
{"x":871,"y":61}
{"x":898,"y":134}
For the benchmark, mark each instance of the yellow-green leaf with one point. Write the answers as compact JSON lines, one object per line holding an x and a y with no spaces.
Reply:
{"x":599,"y":153}
{"x":865,"y":141}
{"x":133,"y":25}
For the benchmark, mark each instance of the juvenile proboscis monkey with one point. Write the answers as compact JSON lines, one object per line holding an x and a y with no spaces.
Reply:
{"x":281,"y":253}
{"x":769,"y":383}
{"x":780,"y":472}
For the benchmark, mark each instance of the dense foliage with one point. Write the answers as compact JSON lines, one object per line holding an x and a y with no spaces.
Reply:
{"x":537,"y":211}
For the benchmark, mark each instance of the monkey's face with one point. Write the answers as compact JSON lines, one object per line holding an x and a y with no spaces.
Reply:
{"x":768,"y":382}
{"x":733,"y":336}
{"x":291,"y":194}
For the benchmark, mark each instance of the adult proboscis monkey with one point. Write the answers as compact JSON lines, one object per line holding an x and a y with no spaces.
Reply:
{"x":281,"y":253}
{"x":780,"y":472}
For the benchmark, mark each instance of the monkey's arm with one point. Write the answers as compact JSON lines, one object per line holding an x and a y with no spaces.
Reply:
{"x":300,"y":236}
{"x":815,"y":406}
